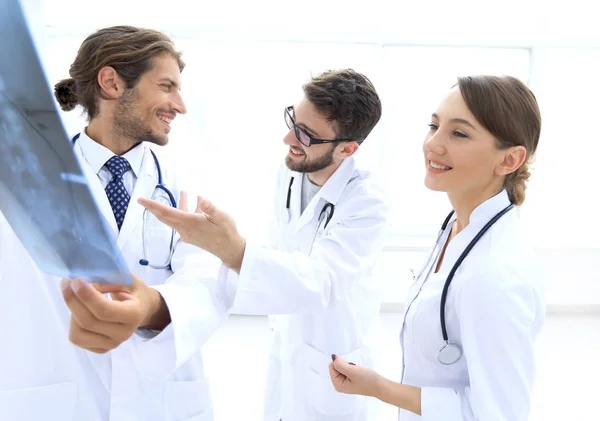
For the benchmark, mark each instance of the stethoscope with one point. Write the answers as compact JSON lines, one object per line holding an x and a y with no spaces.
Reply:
{"x":160,"y":186}
{"x":325,"y":215}
{"x":450,"y":353}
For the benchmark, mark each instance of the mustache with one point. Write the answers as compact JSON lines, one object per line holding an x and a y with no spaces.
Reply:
{"x":169,"y":113}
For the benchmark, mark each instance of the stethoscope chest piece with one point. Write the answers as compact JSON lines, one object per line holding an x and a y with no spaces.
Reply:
{"x":449,"y":354}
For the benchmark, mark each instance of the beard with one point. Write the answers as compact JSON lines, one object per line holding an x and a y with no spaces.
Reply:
{"x":312,"y":165}
{"x":131,"y":128}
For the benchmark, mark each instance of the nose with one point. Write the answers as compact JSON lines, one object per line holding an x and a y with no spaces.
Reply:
{"x":178,"y":104}
{"x":290,"y":138}
{"x":434,"y":143}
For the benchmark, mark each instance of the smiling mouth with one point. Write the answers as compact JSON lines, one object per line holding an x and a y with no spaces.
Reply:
{"x":165,"y":119}
{"x":295,"y":152}
{"x":439,"y":166}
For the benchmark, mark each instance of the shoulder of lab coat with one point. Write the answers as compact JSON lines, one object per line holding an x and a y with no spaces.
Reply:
{"x":274,"y":281}
{"x":500,"y":309}
{"x":197,"y":303}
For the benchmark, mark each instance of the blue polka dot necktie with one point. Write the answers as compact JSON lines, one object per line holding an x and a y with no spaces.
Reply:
{"x":115,"y":190}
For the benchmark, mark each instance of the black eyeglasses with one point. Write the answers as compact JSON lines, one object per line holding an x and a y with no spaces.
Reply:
{"x":301,"y":135}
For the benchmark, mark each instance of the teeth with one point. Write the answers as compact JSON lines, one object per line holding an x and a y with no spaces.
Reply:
{"x":166,"y":119}
{"x":437,"y":166}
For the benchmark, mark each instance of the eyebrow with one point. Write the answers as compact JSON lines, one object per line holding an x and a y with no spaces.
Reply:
{"x":457,"y":120}
{"x":304,"y":126}
{"x":171,"y":81}
{"x":308,"y":130}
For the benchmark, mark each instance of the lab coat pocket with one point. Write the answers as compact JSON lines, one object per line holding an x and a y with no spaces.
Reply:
{"x":38,"y":403}
{"x":318,"y":386}
{"x":189,"y":401}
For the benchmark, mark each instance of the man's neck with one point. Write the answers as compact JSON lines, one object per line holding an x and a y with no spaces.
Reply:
{"x":102,"y":131}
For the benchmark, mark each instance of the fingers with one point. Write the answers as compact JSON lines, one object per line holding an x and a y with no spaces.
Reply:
{"x":183,"y":201}
{"x":333,"y":373}
{"x":112,"y":289}
{"x":152,"y":205}
{"x":340,"y":381}
{"x":342,"y":366}
{"x":92,"y":341}
{"x":97,"y":323}
{"x":120,"y":296}
{"x":205,"y":206}
{"x":117,"y":288}
{"x":89,"y":306}
{"x":89,"y":332}
{"x":165,"y":214}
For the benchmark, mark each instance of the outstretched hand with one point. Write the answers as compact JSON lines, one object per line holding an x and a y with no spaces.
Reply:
{"x":208,"y":227}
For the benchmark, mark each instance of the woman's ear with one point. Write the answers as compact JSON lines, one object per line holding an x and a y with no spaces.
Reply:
{"x":512,"y":159}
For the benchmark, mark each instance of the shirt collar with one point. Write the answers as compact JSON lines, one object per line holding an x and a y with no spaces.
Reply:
{"x":97,"y":155}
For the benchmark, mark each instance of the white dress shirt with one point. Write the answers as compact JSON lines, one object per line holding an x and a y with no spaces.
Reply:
{"x":97,"y":155}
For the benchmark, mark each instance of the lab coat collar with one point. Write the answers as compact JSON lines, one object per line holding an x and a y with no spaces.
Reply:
{"x":479,"y":217}
{"x":95,"y":185}
{"x":331,"y":190}
{"x":96,"y":155}
{"x":488,"y":209}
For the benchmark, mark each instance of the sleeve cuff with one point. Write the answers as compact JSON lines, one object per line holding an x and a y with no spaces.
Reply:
{"x":155,"y":355}
{"x":147,"y":334}
{"x":228,"y":281}
{"x":197,"y":310}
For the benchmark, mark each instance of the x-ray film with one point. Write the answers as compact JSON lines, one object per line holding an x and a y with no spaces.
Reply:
{"x":44,"y":194}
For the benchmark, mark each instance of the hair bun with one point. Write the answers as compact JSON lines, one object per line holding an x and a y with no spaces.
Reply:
{"x":65,"y":93}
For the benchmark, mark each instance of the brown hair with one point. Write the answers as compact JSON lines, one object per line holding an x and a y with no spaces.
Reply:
{"x":129,"y":50}
{"x":348,"y":99}
{"x":509,"y":111}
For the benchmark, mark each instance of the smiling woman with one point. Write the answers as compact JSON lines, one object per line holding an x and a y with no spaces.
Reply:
{"x":480,"y":137}
{"x":472,"y":131}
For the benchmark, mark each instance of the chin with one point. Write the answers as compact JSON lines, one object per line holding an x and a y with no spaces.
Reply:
{"x":159,"y":139}
{"x":291,"y":164}
{"x":434,"y":186}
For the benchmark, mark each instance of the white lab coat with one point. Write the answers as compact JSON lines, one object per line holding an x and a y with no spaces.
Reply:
{"x":328,"y":301}
{"x":45,"y":377}
{"x":494,"y":311}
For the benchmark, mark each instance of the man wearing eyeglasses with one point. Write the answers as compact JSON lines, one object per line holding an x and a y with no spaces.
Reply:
{"x":317,"y":276}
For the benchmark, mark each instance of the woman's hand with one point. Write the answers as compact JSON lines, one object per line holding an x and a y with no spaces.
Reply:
{"x":353,"y":379}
